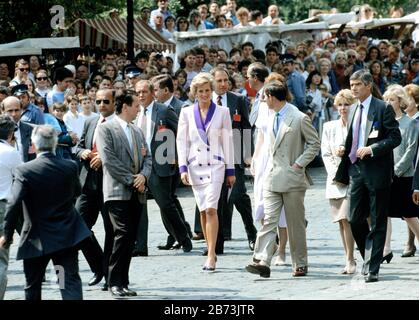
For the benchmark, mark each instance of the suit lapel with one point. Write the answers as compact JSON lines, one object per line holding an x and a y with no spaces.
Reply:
{"x":210,"y":116}
{"x":284,"y":126}
{"x":91,"y":133}
{"x":155,"y":110}
{"x":370,"y":120}
{"x":121,"y":134}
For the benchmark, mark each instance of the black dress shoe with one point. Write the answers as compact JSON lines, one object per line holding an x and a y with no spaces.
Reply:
{"x":255,"y":268}
{"x":198,"y":236}
{"x":104,"y":287}
{"x":252,"y":245}
{"x":97,"y":277}
{"x":129,"y":292}
{"x":169,"y":244}
{"x":138,"y":253}
{"x":117,"y":292}
{"x":176,"y":246}
{"x":187,"y":245}
{"x":371,"y":277}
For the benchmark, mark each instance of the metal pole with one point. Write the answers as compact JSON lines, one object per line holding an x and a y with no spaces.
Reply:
{"x":130,"y":30}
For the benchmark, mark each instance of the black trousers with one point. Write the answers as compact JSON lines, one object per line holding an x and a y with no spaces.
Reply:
{"x":368,"y":201}
{"x":241,"y":200}
{"x":124,"y":216}
{"x":67,"y":268}
{"x":164,"y":192}
{"x":89,"y":204}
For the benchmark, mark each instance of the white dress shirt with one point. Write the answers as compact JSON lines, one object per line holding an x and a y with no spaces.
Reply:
{"x":18,"y":146}
{"x":126,"y":129}
{"x":223,"y":98}
{"x":148,"y":134}
{"x":366,"y":103}
{"x":9,"y":160}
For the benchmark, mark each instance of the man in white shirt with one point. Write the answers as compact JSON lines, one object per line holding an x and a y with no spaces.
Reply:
{"x":9,"y":160}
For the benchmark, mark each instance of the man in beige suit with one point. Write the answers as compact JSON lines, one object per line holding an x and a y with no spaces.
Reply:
{"x":293,"y":144}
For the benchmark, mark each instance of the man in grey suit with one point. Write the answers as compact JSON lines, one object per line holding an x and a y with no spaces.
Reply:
{"x":293,"y":143}
{"x":90,"y":202}
{"x":52,"y":227}
{"x":126,"y":170}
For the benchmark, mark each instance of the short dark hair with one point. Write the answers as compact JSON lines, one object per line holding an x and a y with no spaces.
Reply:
{"x":7,"y":126}
{"x":126,"y":97}
{"x":164,"y":81}
{"x":247,"y":44}
{"x":61,"y":73}
{"x":277,"y":89}
{"x":259,"y":71}
{"x":142,"y":55}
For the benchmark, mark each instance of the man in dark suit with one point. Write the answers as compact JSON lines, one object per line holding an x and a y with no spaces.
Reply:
{"x":159,"y":124}
{"x":368,"y":160}
{"x":126,"y":171}
{"x":13,"y":107}
{"x":90,"y":201}
{"x":163,"y":92}
{"x":239,"y":113}
{"x":52,"y":226}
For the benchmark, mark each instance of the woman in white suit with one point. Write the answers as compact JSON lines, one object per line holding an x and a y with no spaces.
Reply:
{"x":333,"y":139}
{"x":258,"y":169}
{"x":206,"y":156}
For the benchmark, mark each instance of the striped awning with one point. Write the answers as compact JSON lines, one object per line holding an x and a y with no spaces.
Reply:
{"x":112,"y":33}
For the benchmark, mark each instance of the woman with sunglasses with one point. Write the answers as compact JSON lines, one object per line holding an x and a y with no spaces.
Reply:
{"x":182,"y":24}
{"x":42,"y":84}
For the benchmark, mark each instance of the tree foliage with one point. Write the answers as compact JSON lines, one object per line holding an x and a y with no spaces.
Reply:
{"x":23,"y":19}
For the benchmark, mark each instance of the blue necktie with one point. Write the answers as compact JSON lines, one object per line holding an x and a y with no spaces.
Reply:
{"x":276,"y":123}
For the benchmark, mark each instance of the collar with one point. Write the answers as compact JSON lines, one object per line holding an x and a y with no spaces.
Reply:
{"x":169,"y":101}
{"x":149,"y":108}
{"x":122,"y":123}
{"x":366,"y":103}
{"x":108,"y":118}
{"x":284,"y":109}
{"x":45,"y":153}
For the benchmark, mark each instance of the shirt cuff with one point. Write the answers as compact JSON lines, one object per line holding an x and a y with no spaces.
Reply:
{"x":372,"y":153}
{"x":230,"y":172}
{"x":183,"y":169}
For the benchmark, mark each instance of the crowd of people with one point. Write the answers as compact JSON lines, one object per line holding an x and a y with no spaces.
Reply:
{"x":109,"y":135}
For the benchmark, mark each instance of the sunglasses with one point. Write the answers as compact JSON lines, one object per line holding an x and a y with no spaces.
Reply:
{"x":42,"y":78}
{"x":182,"y":21}
{"x":351,"y":56}
{"x":105,"y":101}
{"x":24,"y":69}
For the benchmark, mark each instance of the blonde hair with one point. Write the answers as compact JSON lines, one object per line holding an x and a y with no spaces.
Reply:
{"x":398,"y":91}
{"x":200,"y":80}
{"x":413,"y":91}
{"x":344,"y":96}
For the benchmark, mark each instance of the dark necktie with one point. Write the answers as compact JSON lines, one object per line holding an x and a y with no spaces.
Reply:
{"x":355,"y":140}
{"x":219,"y":100}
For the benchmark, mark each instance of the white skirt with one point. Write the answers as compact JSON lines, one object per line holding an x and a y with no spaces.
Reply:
{"x":207,"y":195}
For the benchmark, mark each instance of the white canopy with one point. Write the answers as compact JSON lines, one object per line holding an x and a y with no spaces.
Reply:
{"x":34,"y":46}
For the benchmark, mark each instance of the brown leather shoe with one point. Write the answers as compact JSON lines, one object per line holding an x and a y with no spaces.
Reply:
{"x":255,"y":268}
{"x":300,"y":272}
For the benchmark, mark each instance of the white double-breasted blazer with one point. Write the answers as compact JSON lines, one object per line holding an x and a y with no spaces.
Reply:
{"x":205,"y":147}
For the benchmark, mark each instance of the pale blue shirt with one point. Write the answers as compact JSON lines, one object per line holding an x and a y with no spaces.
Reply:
{"x":366,"y":103}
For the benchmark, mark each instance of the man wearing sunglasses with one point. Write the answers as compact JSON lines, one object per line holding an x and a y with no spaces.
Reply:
{"x":90,"y":201}
{"x":21,"y":72}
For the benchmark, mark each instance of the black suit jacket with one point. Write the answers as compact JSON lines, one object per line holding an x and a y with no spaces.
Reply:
{"x":378,"y":169}
{"x":25,"y":136}
{"x":415,"y":185}
{"x":163,"y":141}
{"x":50,"y":223}
{"x":89,"y":178}
{"x":238,"y":104}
